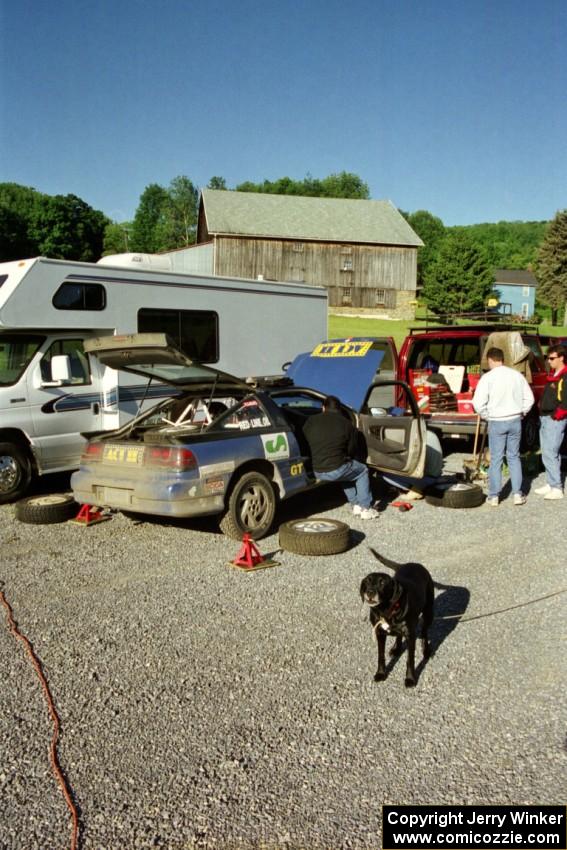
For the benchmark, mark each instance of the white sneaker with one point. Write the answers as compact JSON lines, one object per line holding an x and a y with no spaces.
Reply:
{"x":519,"y":499}
{"x":492,"y":501}
{"x":554,"y":493}
{"x":357,"y":510}
{"x":542,"y":491}
{"x":369,"y":513}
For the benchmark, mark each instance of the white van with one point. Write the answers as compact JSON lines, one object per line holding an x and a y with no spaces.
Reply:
{"x":51,"y":392}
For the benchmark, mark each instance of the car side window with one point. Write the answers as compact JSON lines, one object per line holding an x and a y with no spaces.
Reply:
{"x":78,"y":361}
{"x":247,"y":416}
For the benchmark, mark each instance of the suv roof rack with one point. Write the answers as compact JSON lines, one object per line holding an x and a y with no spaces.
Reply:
{"x":474,"y":321}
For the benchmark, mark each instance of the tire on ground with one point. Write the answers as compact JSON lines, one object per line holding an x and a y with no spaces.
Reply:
{"x":530,"y":433}
{"x":455,"y":494}
{"x":314,"y":536}
{"x":251,"y":507}
{"x":44,"y":510}
{"x":15,"y":472}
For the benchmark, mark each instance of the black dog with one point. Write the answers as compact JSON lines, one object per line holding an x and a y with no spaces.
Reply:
{"x":396,"y":604}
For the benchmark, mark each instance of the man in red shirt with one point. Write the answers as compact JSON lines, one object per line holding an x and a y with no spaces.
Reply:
{"x":553,"y":419}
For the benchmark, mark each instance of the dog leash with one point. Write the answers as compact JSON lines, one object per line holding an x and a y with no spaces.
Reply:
{"x":499,"y":610}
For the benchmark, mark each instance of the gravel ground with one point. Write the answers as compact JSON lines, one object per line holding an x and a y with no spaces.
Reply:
{"x":203,"y":707}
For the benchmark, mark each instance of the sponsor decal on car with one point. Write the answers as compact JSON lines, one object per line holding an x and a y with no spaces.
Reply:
{"x":214,"y":485}
{"x":296,"y":468}
{"x":276,"y":446}
{"x":341,"y":349}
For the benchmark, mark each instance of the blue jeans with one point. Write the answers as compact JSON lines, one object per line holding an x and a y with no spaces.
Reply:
{"x":504,"y":439}
{"x":355,"y":481}
{"x":550,"y":437}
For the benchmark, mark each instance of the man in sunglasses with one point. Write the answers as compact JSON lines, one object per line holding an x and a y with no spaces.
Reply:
{"x":553,"y":418}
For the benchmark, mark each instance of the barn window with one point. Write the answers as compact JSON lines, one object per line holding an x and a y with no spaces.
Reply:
{"x":346,"y":294}
{"x":298,"y":247}
{"x":346,"y":264}
{"x":381,"y":297}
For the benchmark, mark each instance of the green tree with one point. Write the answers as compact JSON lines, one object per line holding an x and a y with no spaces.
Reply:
{"x":179,"y":225}
{"x":342,"y":185}
{"x":116,"y":238}
{"x":460,"y":278}
{"x":551,"y":268}
{"x":17,"y":204}
{"x":217,"y":183}
{"x":431,"y":231}
{"x":65,"y":227}
{"x":149,"y":221}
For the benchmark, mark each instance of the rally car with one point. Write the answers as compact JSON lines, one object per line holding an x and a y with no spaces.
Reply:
{"x":221,"y":446}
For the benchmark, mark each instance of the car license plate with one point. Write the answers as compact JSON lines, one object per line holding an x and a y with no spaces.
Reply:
{"x":123,"y":454}
{"x":116,"y":497}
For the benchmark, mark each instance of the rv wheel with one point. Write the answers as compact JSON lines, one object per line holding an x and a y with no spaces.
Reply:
{"x":15,"y":472}
{"x":315,"y":536}
{"x":44,"y":510}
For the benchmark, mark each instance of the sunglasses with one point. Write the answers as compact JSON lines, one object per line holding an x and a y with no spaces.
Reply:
{"x":553,"y":357}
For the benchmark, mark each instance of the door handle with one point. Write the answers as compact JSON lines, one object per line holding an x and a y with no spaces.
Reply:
{"x":96,"y":408}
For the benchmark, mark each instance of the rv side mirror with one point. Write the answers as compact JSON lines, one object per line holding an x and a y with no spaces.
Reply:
{"x":60,"y":368}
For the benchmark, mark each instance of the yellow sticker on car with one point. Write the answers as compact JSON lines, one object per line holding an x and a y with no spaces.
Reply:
{"x":123,"y":454}
{"x":347,"y":348}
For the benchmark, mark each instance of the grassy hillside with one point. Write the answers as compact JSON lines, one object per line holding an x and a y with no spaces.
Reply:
{"x":341,"y":326}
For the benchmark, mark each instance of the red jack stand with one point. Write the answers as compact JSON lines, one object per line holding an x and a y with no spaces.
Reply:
{"x":89,"y":515}
{"x":250,"y":558}
{"x":402,"y":506}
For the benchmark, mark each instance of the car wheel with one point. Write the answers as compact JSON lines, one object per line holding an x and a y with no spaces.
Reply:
{"x":455,"y":494}
{"x":251,"y":507}
{"x":43,"y":510}
{"x":15,"y":472}
{"x":530,"y":433}
{"x":315,"y":536}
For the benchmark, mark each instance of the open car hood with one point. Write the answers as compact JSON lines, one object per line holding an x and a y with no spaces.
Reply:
{"x":155,"y":356}
{"x":344,"y":368}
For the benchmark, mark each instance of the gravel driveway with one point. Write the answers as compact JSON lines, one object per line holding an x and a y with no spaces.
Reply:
{"x":205,"y":707}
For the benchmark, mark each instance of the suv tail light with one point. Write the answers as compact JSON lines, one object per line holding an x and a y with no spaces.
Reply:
{"x":92,"y":452}
{"x":170,"y":457}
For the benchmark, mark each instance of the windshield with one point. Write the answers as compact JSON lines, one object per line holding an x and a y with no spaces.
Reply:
{"x":16,"y":352}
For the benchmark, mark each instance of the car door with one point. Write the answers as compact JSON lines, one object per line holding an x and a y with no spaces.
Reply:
{"x":394,"y":434}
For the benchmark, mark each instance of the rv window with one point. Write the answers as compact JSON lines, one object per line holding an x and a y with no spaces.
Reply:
{"x":195,"y":332}
{"x":78,"y":361}
{"x":15,"y":354}
{"x":80,"y":296}
{"x":3,"y":278}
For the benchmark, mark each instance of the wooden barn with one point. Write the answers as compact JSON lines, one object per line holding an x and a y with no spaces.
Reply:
{"x":364,"y":252}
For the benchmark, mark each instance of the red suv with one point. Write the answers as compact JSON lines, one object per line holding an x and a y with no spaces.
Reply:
{"x":456,"y":352}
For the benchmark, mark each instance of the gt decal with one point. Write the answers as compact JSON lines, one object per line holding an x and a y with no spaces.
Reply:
{"x":341,"y":349}
{"x":296,"y":469}
{"x":276,"y":446}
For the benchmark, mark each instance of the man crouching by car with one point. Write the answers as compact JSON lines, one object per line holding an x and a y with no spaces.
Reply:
{"x":332,"y":441}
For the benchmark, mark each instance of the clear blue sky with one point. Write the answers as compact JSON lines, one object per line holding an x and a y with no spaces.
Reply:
{"x":453,"y":106}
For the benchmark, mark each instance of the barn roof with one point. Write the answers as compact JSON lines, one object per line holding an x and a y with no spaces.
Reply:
{"x":305,"y":218}
{"x":517,"y":277}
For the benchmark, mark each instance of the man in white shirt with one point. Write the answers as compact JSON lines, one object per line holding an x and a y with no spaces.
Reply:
{"x":503,"y":397}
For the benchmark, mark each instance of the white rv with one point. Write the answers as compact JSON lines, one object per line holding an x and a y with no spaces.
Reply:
{"x":51,"y":391}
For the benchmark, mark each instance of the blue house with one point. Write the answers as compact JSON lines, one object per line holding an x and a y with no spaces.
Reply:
{"x":516,"y":292}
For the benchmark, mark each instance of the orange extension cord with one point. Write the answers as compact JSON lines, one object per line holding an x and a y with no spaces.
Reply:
{"x":54,"y":716}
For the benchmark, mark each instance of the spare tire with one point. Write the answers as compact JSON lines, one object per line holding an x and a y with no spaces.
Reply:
{"x":455,"y":494}
{"x":43,"y":510}
{"x":314,"y":536}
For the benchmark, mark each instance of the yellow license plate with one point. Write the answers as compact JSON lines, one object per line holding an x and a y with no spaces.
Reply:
{"x":123,"y":454}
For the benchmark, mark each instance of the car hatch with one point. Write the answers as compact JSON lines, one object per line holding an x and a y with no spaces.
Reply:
{"x":155,"y":356}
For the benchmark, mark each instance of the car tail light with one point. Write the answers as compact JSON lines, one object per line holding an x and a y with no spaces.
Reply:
{"x":170,"y":457}
{"x":92,"y":452}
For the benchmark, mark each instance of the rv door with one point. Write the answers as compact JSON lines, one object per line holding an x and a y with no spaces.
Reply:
{"x":64,"y":393}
